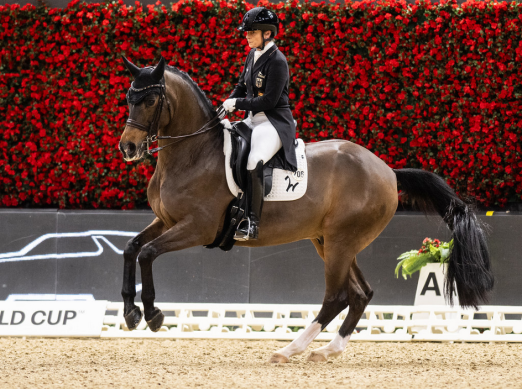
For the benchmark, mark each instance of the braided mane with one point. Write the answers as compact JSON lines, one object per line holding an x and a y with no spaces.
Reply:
{"x":202,"y":98}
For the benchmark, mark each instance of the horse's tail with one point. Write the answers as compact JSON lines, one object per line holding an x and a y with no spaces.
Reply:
{"x":469,"y":266}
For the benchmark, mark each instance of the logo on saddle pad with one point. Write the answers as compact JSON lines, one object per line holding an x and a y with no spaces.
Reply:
{"x":290,"y":185}
{"x":286,"y":185}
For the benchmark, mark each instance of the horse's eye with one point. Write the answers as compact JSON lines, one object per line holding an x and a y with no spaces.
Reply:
{"x":150,"y":102}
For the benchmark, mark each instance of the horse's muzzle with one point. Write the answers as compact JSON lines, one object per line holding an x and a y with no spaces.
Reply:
{"x":130,"y":151}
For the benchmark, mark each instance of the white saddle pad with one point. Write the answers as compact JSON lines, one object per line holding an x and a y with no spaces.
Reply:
{"x":286,"y":185}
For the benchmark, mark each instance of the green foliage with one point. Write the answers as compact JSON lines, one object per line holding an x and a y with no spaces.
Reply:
{"x":432,"y":251}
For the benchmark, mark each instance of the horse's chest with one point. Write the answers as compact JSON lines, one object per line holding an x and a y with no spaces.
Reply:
{"x":154,"y":197}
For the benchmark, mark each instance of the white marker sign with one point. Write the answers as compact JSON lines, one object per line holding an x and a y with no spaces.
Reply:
{"x":51,"y":318}
{"x":430,"y":288}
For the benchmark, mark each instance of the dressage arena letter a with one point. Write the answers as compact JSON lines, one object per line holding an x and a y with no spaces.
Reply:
{"x":435,"y":287}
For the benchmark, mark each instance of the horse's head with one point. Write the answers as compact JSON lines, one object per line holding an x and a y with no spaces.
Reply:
{"x":148,"y":109}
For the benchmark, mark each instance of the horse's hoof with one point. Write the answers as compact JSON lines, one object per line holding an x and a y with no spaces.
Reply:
{"x":278,"y":358}
{"x":133,"y":319}
{"x":157,"y":320}
{"x":317,"y":357}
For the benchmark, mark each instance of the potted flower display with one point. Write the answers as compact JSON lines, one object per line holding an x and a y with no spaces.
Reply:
{"x":431,"y":261}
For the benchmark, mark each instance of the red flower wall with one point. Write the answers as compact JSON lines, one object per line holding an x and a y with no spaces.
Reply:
{"x":430,"y":86}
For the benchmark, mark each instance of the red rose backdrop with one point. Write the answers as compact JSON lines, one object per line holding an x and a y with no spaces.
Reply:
{"x":437,"y":87}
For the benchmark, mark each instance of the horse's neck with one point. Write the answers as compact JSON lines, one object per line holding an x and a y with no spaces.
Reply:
{"x":188,"y":117}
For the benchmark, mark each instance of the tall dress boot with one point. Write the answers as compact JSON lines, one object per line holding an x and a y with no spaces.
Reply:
{"x":249,"y":228}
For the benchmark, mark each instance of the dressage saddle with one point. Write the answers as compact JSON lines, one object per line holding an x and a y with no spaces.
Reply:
{"x":241,"y":137}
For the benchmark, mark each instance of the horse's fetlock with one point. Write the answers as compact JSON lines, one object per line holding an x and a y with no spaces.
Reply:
{"x":128,"y":293}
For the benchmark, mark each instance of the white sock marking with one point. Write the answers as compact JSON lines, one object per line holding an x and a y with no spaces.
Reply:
{"x":335,"y":347}
{"x":301,"y":343}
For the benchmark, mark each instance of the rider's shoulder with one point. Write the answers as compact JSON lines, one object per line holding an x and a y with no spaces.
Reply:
{"x":279,"y":58}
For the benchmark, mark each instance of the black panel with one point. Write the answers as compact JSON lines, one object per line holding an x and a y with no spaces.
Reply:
{"x":202,"y":275}
{"x":287,"y":274}
{"x":99,"y":275}
{"x":291,"y":273}
{"x":505,"y":244}
{"x":18,"y":229}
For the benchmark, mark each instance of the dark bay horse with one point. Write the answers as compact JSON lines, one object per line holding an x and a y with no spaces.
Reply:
{"x":352,"y":195}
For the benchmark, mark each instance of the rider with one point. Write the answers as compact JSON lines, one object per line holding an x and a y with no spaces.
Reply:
{"x":262,"y":91}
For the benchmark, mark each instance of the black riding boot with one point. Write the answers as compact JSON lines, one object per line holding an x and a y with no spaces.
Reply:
{"x":248,"y":229}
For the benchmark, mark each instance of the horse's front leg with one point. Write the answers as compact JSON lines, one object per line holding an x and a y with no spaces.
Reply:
{"x":183,"y":235}
{"x":131,"y":312}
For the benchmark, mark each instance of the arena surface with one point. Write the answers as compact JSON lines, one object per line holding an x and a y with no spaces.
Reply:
{"x":130,"y":363}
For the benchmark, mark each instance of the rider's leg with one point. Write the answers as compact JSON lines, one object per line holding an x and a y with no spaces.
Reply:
{"x":264,"y":145}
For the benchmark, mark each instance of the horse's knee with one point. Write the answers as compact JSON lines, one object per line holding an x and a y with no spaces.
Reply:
{"x":147,"y":254}
{"x":132,"y":248}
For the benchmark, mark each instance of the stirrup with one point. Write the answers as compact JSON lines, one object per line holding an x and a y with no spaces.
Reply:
{"x":251,"y":233}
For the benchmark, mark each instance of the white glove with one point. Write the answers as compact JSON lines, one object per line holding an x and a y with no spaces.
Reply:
{"x":229,"y":105}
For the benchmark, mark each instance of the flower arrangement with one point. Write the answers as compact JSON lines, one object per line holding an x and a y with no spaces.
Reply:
{"x":432,"y":251}
{"x":432,"y":86}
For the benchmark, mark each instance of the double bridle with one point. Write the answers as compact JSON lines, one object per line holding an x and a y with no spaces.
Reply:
{"x":152,"y":128}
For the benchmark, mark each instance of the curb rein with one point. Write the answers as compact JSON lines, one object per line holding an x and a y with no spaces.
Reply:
{"x":152,"y":129}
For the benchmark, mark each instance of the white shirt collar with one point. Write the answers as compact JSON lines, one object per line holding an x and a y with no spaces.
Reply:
{"x":259,"y":53}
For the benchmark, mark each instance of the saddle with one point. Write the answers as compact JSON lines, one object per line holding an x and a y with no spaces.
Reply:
{"x":241,"y":136}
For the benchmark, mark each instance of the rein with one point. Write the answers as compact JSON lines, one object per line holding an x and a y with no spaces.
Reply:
{"x":220,"y":115}
{"x":152,"y":129}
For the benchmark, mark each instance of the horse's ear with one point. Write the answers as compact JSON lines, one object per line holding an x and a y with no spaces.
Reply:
{"x":135,"y":71}
{"x":157,"y":73}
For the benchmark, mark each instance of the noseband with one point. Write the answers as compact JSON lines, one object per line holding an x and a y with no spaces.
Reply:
{"x":153,"y":127}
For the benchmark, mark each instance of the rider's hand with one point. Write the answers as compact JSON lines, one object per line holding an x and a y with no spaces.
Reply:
{"x":229,"y":105}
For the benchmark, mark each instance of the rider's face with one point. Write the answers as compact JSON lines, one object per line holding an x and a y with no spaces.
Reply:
{"x":255,"y":38}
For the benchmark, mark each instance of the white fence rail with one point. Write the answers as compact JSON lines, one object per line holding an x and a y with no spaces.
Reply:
{"x":285,"y":322}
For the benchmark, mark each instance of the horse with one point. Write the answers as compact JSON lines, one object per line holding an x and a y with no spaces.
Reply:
{"x":351,"y":196}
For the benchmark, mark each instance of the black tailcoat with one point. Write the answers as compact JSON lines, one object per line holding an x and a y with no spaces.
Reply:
{"x":263,"y":87}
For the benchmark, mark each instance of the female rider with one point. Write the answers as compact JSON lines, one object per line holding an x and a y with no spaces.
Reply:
{"x":262,"y":91}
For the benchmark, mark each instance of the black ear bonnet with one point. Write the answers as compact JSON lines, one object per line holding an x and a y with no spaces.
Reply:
{"x":146,"y":81}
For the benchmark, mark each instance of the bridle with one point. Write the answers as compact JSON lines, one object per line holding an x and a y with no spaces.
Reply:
{"x":153,"y":127}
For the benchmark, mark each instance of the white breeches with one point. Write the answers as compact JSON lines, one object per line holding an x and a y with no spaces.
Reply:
{"x":265,"y":140}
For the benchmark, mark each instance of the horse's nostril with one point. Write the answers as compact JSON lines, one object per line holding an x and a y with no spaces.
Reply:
{"x":131,"y":147}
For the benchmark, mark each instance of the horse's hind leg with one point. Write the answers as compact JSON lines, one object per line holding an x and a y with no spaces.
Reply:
{"x":337,"y":272}
{"x":131,"y":312}
{"x":359,"y":295}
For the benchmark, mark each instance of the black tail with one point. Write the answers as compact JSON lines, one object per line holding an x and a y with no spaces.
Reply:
{"x":469,"y":266}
